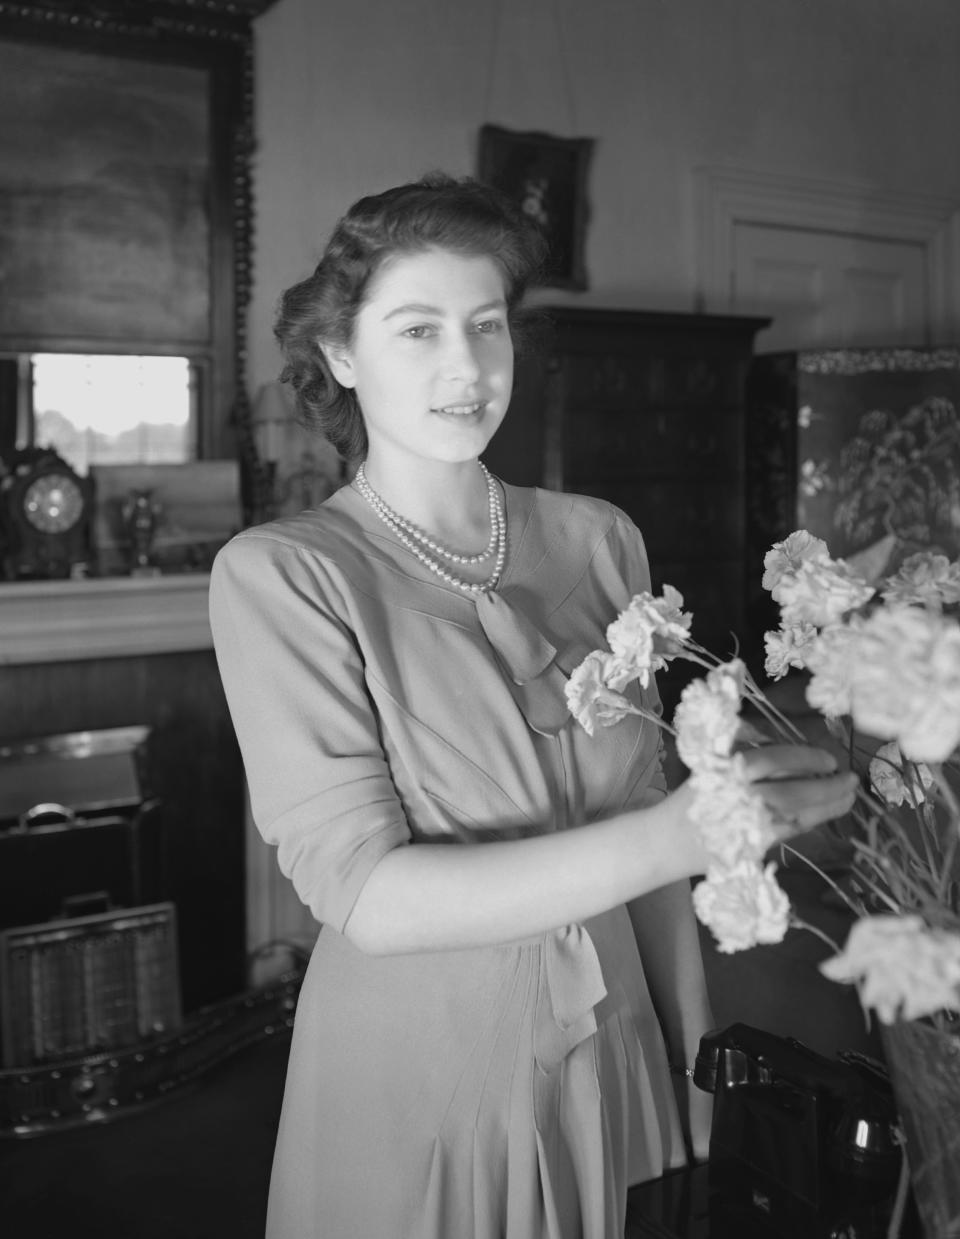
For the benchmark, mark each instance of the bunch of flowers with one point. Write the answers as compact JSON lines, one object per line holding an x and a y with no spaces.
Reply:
{"x":883,"y":661}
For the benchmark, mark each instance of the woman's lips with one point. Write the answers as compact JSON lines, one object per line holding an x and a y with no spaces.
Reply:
{"x":461,"y":408}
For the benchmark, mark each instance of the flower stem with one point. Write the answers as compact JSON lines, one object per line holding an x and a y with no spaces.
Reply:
{"x":817,"y":932}
{"x":627,"y":708}
{"x":824,"y":876}
{"x":760,"y":701}
{"x":946,"y":791}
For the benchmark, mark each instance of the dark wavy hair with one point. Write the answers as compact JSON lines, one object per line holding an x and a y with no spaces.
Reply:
{"x":437,"y":211}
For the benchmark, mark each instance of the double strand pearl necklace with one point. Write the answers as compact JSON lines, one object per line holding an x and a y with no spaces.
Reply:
{"x":421,"y":544}
{"x":408,"y":527}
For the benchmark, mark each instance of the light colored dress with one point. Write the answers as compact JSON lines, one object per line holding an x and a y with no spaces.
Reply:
{"x":512,"y":1091}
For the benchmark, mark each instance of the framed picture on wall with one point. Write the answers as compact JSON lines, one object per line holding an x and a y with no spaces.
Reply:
{"x":547,"y":177}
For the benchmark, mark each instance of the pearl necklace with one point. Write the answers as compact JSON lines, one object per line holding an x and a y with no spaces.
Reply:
{"x":415,"y":532}
{"x":416,"y":541}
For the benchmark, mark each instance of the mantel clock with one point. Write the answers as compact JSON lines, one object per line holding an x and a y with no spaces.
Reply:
{"x":45,"y":515}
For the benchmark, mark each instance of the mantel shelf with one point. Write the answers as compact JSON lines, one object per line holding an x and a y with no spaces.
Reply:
{"x":108,"y":617}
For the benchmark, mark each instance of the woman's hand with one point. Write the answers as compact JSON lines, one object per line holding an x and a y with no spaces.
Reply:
{"x":800,"y":785}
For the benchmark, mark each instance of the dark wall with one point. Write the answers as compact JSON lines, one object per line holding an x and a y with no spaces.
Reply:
{"x":193,"y":766}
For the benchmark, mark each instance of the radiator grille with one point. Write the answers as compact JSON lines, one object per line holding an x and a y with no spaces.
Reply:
{"x":93,"y":983}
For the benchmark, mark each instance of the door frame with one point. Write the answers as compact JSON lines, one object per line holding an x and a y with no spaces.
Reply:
{"x":727,"y":197}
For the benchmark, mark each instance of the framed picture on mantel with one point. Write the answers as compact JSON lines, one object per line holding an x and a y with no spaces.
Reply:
{"x":547,"y":177}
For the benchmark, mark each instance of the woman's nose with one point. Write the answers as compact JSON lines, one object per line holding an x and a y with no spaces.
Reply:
{"x":460,"y":357}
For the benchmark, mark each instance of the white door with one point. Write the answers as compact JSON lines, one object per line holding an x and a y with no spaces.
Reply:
{"x":830,"y":289}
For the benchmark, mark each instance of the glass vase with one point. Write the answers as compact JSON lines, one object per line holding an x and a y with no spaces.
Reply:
{"x":924,"y":1065}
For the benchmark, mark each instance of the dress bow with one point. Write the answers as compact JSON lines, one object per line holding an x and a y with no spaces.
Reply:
{"x":576,"y":988}
{"x":531,"y":661}
{"x":520,"y":645}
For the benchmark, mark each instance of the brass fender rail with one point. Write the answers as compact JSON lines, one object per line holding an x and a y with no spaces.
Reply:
{"x":103,"y":1086}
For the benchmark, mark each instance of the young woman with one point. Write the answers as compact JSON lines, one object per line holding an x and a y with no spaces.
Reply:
{"x":508,"y":973}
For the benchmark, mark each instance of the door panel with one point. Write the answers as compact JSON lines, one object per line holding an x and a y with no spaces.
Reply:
{"x":830,"y":289}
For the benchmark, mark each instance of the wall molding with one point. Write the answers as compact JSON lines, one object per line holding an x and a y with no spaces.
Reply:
{"x":104,"y":617}
{"x":728,"y":196}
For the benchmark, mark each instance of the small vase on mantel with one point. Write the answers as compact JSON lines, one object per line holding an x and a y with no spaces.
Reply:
{"x":924,"y":1063}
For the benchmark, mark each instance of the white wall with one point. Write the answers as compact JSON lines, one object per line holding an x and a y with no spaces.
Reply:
{"x":354,"y":97}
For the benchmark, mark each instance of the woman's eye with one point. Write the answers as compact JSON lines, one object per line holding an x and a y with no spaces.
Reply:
{"x":489,"y":326}
{"x":419,"y":331}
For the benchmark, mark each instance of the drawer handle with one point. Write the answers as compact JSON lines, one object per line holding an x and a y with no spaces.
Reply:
{"x":59,"y":812}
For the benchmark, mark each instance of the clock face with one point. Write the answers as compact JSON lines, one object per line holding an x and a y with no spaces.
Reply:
{"x":53,"y":503}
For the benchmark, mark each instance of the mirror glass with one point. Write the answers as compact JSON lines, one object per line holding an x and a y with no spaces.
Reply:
{"x":110,"y":410}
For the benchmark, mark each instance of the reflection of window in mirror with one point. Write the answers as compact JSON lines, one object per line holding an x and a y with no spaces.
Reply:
{"x":108,"y":410}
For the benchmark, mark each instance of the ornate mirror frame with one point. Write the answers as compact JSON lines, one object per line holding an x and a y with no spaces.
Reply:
{"x":213,"y":37}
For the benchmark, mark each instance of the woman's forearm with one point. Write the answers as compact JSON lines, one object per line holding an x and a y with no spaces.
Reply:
{"x":429,"y":897}
{"x":432,"y":897}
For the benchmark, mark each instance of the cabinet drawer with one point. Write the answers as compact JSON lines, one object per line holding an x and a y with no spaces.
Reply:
{"x":631,"y":442}
{"x":701,"y":380}
{"x":609,"y":380}
{"x":679,"y":521}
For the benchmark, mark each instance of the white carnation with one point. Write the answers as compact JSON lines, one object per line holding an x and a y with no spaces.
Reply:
{"x":926,"y":580}
{"x":787,"y":647}
{"x":905,"y":681}
{"x":742,"y":906}
{"x":708,"y":716}
{"x":829,"y":660}
{"x":631,"y":642}
{"x":731,"y":815}
{"x":785,"y":558}
{"x":902,"y":968}
{"x":821,"y":592}
{"x":589,"y":699}
{"x":648,"y":633}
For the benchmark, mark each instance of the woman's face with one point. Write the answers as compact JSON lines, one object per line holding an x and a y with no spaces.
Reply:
{"x":431,"y":359}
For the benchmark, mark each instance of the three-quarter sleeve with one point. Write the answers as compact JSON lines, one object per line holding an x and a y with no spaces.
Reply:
{"x":320,"y":787}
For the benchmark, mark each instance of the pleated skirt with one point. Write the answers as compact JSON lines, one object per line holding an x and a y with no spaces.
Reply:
{"x":457,"y":1095}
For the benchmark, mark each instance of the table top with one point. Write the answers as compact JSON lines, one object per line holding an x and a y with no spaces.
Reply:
{"x":692,"y":1204}
{"x":676,"y":1206}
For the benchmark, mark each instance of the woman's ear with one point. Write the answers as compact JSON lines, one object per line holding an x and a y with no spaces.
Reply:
{"x":340,"y":363}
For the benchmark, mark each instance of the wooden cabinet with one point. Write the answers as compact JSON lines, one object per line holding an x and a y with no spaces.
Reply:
{"x":646,"y":410}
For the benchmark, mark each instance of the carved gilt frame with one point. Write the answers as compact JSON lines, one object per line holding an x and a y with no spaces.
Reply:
{"x":214,"y":36}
